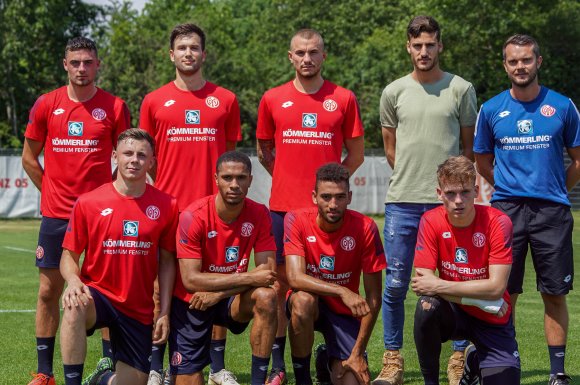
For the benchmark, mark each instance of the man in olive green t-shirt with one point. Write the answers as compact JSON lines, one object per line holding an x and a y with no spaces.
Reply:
{"x":424,"y":116}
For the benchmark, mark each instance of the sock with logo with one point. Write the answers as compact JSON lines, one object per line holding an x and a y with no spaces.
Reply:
{"x":557,"y":357}
{"x":217,"y":351}
{"x":73,"y":374}
{"x":45,"y":352}
{"x":302,"y":370}
{"x":278,"y":353}
{"x":157,"y":354}
{"x":259,"y":369}
{"x":107,"y":350}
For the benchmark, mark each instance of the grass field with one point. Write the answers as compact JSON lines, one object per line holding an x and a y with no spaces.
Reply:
{"x":18,"y":287}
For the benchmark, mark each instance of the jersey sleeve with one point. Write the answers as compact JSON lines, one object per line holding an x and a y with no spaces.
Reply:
{"x":146,"y":120}
{"x":232,"y":124}
{"x":373,"y":258}
{"x":387,"y":110}
{"x":572,"y":127}
{"x":266,"y":128}
{"x":500,"y":241}
{"x":293,"y":244}
{"x":76,"y":237}
{"x":36,"y":129}
{"x":122,"y":121}
{"x":189,"y":236}
{"x":352,"y":126}
{"x":483,"y":141}
{"x":426,"y":249}
{"x":167,"y":239}
{"x":265,"y":239}
{"x":468,"y":108}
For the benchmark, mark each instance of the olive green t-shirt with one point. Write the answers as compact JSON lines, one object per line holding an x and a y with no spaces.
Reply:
{"x":427,"y":119}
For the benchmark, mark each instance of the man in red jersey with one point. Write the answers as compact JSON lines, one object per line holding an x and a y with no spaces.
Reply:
{"x":215,"y":238}
{"x":471,"y":248}
{"x":307,"y":119}
{"x":77,"y":126}
{"x":193,"y":122}
{"x":127,"y":231}
{"x":327,"y":247}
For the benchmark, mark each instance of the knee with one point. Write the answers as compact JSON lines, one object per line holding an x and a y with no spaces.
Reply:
{"x":74,"y":316}
{"x":49,"y":292}
{"x":265,"y":301}
{"x":303,"y":305}
{"x":427,"y":311}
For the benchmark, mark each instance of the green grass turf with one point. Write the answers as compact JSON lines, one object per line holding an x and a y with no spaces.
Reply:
{"x":18,"y":288}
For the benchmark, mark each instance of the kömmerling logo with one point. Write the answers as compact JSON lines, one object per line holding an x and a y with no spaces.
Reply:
{"x":131,"y":228}
{"x":309,"y":120}
{"x":326,"y":262}
{"x":75,"y":128}
{"x":192,"y":117}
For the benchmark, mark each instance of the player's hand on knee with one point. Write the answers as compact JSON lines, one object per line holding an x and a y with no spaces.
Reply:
{"x":161,"y":330}
{"x":203,"y":300}
{"x":76,"y":294}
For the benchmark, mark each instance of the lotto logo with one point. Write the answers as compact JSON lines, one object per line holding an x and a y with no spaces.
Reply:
{"x":192,"y":117}
{"x":75,"y":128}
{"x":326,"y":263}
{"x":525,"y":127}
{"x":232,"y":254}
{"x":131,"y":228}
{"x":309,"y":120}
{"x":460,"y":255}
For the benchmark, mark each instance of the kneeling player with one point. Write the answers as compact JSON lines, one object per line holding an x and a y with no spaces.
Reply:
{"x":120,"y":226}
{"x":215,"y":237}
{"x":326,"y":248}
{"x":470,"y":246}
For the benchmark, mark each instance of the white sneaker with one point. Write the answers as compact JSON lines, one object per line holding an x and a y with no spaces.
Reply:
{"x":223,"y":377}
{"x":154,"y":378}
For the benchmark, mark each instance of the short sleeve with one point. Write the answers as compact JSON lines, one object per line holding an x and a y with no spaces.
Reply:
{"x":167,"y":240}
{"x":373,"y":258}
{"x":387,"y":110}
{"x":468,"y":108}
{"x":266,"y":128}
{"x":189,"y":236}
{"x":500,"y":241}
{"x":572,"y":127}
{"x":293,"y":243}
{"x":76,"y":237}
{"x":146,"y":120}
{"x":352,"y":126}
{"x":426,"y":249}
{"x":232,"y":124}
{"x":483,"y":141}
{"x":123,"y":121}
{"x":37,"y":129}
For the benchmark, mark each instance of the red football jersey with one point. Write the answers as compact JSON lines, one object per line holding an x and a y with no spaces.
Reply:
{"x":338,"y":257}
{"x":121,"y":236}
{"x":309,"y":131}
{"x":464,"y":254}
{"x":190,"y":130}
{"x":79,"y":139}
{"x":223,"y":247}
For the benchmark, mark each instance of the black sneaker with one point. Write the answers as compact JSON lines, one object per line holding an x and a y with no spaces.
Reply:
{"x":559,"y":379}
{"x":470,"y":375}
{"x":321,"y":365}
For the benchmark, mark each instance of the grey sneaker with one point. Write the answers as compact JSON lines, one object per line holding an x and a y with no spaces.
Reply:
{"x":559,"y":379}
{"x":155,"y":378}
{"x":223,"y":377}
{"x":104,"y":366}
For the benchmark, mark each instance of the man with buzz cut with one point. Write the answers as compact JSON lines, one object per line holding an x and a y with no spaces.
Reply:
{"x":126,"y":230}
{"x":327,"y":247}
{"x":215,"y":239}
{"x":470,"y":247}
{"x":193,"y":121}
{"x":77,"y":127}
{"x":426,"y":117}
{"x":519,"y":147}
{"x":311,"y":119}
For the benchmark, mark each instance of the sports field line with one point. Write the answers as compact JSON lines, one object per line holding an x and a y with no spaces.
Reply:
{"x":17,"y":310}
{"x":19,"y":249}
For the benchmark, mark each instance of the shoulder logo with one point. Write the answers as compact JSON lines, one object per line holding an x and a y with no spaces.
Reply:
{"x":347,"y":243}
{"x":169,"y":103}
{"x":330,"y":105}
{"x":75,"y":128}
{"x":326,"y":262}
{"x":525,"y":127}
{"x":192,"y":117}
{"x":547,"y":110}
{"x":212,"y":102}
{"x":247,"y":229}
{"x":503,"y":114}
{"x":311,"y":238}
{"x":58,"y":111}
{"x":446,"y":235}
{"x":232,"y":253}
{"x":106,"y":211}
{"x":212,"y":234}
{"x":309,"y":120}
{"x":287,"y":104}
{"x":153,"y":212}
{"x":478,"y":239}
{"x":99,"y":114}
{"x":460,"y":255}
{"x":131,"y":228}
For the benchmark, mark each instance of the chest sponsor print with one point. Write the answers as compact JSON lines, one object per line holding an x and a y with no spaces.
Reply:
{"x":75,"y":128}
{"x":326,"y":262}
{"x":309,"y":120}
{"x":232,"y":254}
{"x":525,"y":127}
{"x":192,"y":117}
{"x":460,"y":255}
{"x":131,"y":228}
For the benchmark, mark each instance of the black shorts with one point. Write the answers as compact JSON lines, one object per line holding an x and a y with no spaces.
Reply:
{"x":190,"y":336}
{"x":278,"y":232}
{"x":547,"y":227}
{"x":50,"y":237}
{"x":131,"y":341}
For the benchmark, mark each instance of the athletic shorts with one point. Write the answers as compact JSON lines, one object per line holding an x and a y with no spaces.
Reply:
{"x":547,"y":227}
{"x":131,"y":341}
{"x":278,"y":231}
{"x":340,"y":331}
{"x":50,"y":237}
{"x":190,"y":336}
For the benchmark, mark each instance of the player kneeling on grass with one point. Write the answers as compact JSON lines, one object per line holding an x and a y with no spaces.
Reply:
{"x":215,"y":238}
{"x":470,"y":246}
{"x":127,"y":230}
{"x":326,"y":248}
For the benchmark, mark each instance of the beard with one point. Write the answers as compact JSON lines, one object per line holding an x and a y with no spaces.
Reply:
{"x":523,"y":83}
